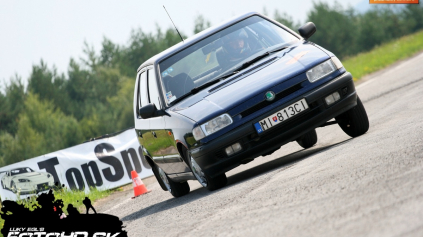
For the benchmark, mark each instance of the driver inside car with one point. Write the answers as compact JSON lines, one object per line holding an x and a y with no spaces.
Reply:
{"x":235,"y":48}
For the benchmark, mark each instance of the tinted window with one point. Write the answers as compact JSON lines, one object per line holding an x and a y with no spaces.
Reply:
{"x":153,"y":90}
{"x":20,"y":171}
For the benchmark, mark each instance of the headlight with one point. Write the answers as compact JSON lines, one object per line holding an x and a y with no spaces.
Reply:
{"x":323,"y":69}
{"x":198,"y":133}
{"x":211,"y":126}
{"x":24,"y":180}
{"x":320,"y":71}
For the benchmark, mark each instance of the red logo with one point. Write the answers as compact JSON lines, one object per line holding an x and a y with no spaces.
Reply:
{"x":275,"y":119}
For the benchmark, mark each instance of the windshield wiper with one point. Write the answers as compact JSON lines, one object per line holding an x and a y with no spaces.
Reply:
{"x":277,"y":49}
{"x":205,"y":85}
{"x":258,"y":58}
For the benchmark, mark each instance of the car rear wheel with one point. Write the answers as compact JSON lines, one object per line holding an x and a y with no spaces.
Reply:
{"x":205,"y":180}
{"x":308,"y":140}
{"x":354,"y":122}
{"x":175,"y":188}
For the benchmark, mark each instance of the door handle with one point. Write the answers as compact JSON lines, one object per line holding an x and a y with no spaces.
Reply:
{"x":154,"y":134}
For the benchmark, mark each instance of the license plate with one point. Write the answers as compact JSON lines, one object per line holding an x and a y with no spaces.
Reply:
{"x":281,"y":116}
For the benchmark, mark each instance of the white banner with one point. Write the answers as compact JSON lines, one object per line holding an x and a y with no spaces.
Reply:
{"x":104,"y":163}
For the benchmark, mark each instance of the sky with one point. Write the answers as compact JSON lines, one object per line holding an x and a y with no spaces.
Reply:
{"x":55,"y":31}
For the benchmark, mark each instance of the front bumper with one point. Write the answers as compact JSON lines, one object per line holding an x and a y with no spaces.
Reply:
{"x":34,"y":188}
{"x":213,"y":160}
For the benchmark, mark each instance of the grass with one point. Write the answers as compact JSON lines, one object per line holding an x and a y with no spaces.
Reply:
{"x":384,"y":55}
{"x":68,"y":197}
{"x":75,"y":197}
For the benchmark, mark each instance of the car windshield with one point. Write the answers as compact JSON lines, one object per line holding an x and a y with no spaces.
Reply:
{"x":220,"y":53}
{"x":21,"y":171}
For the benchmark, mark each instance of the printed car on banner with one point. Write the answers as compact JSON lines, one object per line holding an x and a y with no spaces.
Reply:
{"x":25,"y":181}
{"x":103,"y":163}
{"x":234,"y":92}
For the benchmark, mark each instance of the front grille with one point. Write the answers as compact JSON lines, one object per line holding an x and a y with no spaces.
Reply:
{"x":265,"y":103}
{"x":220,"y":154}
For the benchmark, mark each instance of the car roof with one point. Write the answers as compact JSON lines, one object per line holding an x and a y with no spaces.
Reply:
{"x":202,"y":35}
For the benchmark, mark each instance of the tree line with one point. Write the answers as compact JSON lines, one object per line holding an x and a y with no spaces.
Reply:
{"x":94,"y":97}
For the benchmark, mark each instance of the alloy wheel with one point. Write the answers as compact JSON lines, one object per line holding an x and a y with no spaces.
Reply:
{"x":163,"y":176}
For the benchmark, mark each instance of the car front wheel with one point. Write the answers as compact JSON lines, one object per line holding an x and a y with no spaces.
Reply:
{"x":175,"y":188}
{"x":13,"y":186}
{"x":354,"y":122}
{"x":205,"y":180}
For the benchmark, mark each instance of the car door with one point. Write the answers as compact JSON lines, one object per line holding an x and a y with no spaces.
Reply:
{"x":142,"y":126}
{"x":157,"y":140}
{"x":6,"y":180}
{"x":169,"y":150}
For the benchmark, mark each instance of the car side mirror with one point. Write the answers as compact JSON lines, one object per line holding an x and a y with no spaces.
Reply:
{"x":150,"y":111}
{"x":307,"y":30}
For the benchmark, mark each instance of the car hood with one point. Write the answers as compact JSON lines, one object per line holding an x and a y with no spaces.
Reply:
{"x":221,"y":97}
{"x":33,"y":176}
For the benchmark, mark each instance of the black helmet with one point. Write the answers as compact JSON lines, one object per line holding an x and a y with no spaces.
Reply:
{"x":235,"y":43}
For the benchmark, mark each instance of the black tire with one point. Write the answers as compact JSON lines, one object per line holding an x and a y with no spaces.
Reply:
{"x":354,"y":122}
{"x":308,"y":140}
{"x":210,"y":183}
{"x":216,"y":182}
{"x":175,"y":188}
{"x":179,"y":189}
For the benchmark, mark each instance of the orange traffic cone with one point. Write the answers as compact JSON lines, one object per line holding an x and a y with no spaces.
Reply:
{"x":139,"y":187}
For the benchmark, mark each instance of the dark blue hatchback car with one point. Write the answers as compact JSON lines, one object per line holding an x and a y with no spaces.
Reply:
{"x":235,"y":92}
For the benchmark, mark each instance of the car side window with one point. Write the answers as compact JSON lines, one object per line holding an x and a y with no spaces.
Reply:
{"x":142,"y":93}
{"x":153,"y":90}
{"x":143,"y":96}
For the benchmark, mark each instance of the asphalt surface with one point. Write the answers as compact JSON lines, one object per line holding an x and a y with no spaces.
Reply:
{"x":367,"y":186}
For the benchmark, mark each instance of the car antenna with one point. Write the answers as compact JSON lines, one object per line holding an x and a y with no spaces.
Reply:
{"x":174,"y":25}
